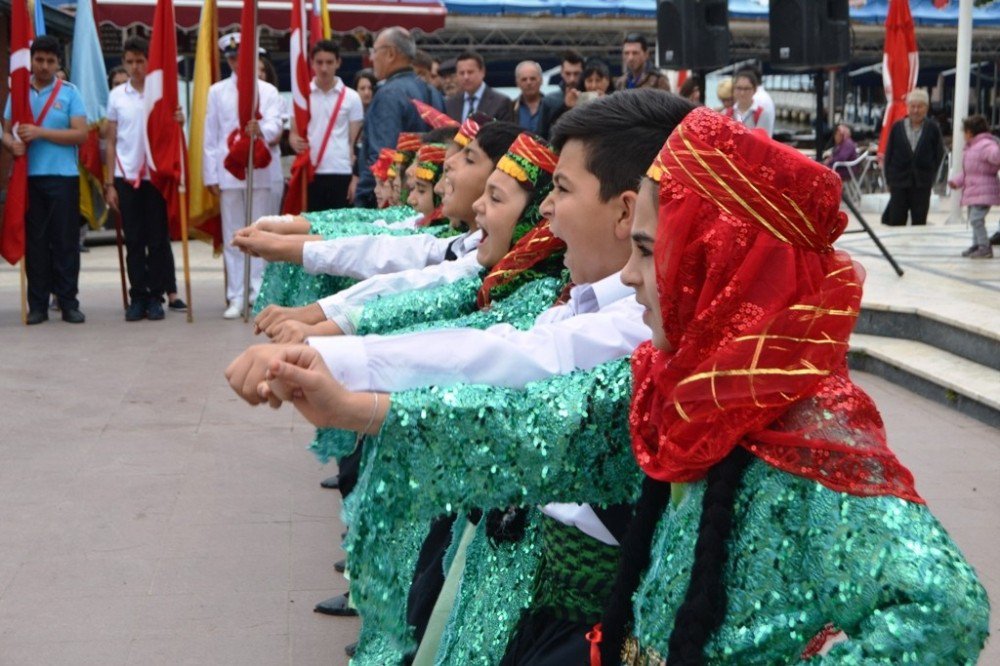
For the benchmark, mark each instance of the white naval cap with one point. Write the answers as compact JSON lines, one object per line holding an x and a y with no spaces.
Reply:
{"x":230,"y":44}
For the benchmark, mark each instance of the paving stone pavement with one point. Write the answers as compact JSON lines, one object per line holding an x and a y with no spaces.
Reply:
{"x":147,"y":516}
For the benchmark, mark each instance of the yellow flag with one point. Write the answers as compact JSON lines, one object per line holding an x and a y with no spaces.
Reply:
{"x":325,"y":8}
{"x":203,"y":207}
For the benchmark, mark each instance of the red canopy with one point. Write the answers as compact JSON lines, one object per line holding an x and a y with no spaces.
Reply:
{"x":345,"y":16}
{"x":900,"y":64}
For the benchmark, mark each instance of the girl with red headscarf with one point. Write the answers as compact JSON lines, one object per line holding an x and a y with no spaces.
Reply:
{"x":773,"y":515}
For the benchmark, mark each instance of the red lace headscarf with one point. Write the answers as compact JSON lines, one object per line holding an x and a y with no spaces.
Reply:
{"x":757,"y":309}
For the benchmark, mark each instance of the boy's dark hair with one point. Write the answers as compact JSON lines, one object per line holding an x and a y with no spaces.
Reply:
{"x":439,"y":135}
{"x":572,"y":56}
{"x":47,"y":44}
{"x":495,"y":138}
{"x":470,"y":55}
{"x":976,"y":124}
{"x":622,"y":133}
{"x":325,"y":46}
{"x":136,"y":45}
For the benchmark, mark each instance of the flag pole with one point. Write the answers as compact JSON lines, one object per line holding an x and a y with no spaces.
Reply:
{"x":182,"y":192}
{"x":119,"y":241}
{"x":24,"y":293}
{"x":248,"y":199}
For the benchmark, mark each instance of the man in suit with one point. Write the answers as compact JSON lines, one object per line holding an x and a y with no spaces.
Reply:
{"x":474,"y":95}
{"x":391,"y":110}
{"x":913,"y":154}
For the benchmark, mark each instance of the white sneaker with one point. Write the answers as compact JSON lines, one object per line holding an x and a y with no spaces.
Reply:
{"x":234,"y":311}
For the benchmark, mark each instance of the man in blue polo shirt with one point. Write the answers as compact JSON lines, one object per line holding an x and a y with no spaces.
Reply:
{"x":52,"y":242}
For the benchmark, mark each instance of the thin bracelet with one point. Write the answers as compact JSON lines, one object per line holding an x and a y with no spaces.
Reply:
{"x":371,"y":419}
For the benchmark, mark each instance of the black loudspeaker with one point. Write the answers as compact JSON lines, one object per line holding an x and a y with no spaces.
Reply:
{"x":809,"y":34}
{"x":693,"y":34}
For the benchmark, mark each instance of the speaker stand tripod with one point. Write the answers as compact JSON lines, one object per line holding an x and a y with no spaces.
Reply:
{"x":871,"y":233}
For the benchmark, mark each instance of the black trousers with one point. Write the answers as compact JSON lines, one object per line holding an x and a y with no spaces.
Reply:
{"x":543,"y":640}
{"x":328,"y":191}
{"x":902,"y":200}
{"x":52,"y":241}
{"x":147,"y":242}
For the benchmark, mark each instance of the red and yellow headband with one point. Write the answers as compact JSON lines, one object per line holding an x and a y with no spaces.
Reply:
{"x":527,"y":159}
{"x":380,"y":168}
{"x":470,"y":128}
{"x":430,"y":161}
{"x":408,"y":142}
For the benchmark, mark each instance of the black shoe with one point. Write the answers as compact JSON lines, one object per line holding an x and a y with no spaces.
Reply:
{"x":332,"y":482}
{"x":177,"y":305}
{"x":36,"y":317}
{"x":154,"y":310}
{"x":970,"y":251}
{"x":136,"y":310}
{"x":73,"y":316}
{"x":340,"y":566}
{"x":351,"y":649}
{"x":335,"y":606}
{"x":995,"y":239}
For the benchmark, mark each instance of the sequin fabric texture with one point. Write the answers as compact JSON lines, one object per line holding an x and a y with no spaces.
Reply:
{"x":881,"y":569}
{"x":446,"y":450}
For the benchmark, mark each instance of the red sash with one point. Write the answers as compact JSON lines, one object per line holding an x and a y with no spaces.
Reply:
{"x":329,"y":127}
{"x":49,"y":102}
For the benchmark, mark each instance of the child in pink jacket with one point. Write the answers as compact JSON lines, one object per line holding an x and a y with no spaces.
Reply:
{"x":979,"y":184}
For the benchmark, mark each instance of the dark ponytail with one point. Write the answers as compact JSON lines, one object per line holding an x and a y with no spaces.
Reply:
{"x":632,"y":562}
{"x":704,"y":605}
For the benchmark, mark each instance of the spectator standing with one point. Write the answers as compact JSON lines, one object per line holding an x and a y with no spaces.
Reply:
{"x":474,"y":95}
{"x":691,"y":90}
{"x":913,"y":154}
{"x":364,"y":85}
{"x":560,"y":101}
{"x":52,"y":241}
{"x":391,"y":110}
{"x":724,"y":91}
{"x":336,"y":117}
{"x":143,"y":208}
{"x":528,"y":106}
{"x":449,"y":79}
{"x":597,"y":77}
{"x":428,"y":68}
{"x":267,"y":72}
{"x":221,"y":120}
{"x":844,"y":150}
{"x":637,"y":69}
{"x":979,"y":184}
{"x":747,"y":111}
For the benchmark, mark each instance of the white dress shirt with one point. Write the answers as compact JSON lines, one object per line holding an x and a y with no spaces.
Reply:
{"x":337,"y":157}
{"x":346,"y":307}
{"x":125,"y":108}
{"x":361,"y":257}
{"x":222,"y":117}
{"x":601,"y":322}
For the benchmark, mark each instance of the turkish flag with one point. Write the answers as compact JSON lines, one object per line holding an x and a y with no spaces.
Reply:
{"x":12,"y":234}
{"x":240,"y":146}
{"x":302,"y":168}
{"x":163,"y":136}
{"x":900,"y":65}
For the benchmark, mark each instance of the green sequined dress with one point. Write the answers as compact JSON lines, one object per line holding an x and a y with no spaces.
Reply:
{"x":563,"y":439}
{"x":881,"y":569}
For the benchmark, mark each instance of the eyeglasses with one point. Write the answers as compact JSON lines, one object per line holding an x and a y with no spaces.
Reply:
{"x":744,"y":88}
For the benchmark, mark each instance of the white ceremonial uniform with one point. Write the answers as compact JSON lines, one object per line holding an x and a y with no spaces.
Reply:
{"x":361,"y":257}
{"x":600,"y":322}
{"x":276,"y":168}
{"x":221,"y":119}
{"x":346,"y":307}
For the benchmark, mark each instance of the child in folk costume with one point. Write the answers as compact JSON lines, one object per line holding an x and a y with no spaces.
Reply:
{"x":773,"y":513}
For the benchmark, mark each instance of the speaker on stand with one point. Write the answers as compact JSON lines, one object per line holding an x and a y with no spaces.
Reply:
{"x":692,"y":34}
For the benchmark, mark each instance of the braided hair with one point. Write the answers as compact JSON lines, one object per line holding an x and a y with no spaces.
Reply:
{"x":704,"y":605}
